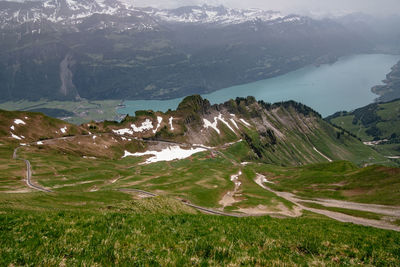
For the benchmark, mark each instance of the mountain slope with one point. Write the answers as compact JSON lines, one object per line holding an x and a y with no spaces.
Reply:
{"x":377,"y":124}
{"x":28,"y":127}
{"x":68,"y":50}
{"x":212,"y":156}
{"x":286,"y":133}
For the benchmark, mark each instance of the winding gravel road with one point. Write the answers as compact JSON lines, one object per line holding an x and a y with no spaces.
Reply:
{"x":29,"y":173}
{"x":385,"y":210}
{"x":203,"y":209}
{"x":393,"y":211}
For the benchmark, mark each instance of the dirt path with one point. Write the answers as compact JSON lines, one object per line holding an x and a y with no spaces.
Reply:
{"x":202,"y":209}
{"x":342,"y":204}
{"x":316,"y":150}
{"x":29,"y":174}
{"x":380,"y":209}
{"x":229,"y":198}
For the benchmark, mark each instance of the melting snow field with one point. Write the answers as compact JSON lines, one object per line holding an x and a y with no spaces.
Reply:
{"x":167,"y":154}
{"x":214,"y":124}
{"x":159,"y":121}
{"x":123,"y":131}
{"x":170,"y":123}
{"x":234,"y":123}
{"x":223,"y":121}
{"x":245,"y":122}
{"x":18,"y":121}
{"x":146,"y":125}
{"x":16,"y":136}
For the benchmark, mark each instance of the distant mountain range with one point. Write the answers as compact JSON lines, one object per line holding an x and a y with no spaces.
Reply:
{"x":73,"y":12}
{"x":69,"y":49}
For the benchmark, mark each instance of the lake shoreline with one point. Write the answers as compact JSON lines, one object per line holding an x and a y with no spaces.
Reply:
{"x":357,"y":73}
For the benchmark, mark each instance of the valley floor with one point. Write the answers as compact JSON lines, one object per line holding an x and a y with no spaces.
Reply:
{"x":76,"y":112}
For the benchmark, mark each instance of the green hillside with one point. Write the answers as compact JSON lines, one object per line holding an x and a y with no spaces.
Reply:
{"x":111,"y":193}
{"x":379,"y":122}
{"x":105,"y":237}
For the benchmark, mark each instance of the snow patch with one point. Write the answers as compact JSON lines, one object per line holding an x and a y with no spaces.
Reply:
{"x":245,"y":122}
{"x":16,"y":136}
{"x":64,"y":130}
{"x":224,"y":122}
{"x":167,"y":154}
{"x":39,"y":143}
{"x":123,"y":131}
{"x":12,"y":128}
{"x":170,"y":123}
{"x":159,"y":121}
{"x":146,"y":125}
{"x":18,"y":122}
{"x":213,"y":125}
{"x":86,"y":157}
{"x":94,"y":137}
{"x":234,"y":123}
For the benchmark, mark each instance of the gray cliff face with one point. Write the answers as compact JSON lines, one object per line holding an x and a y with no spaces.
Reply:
{"x":68,"y":88}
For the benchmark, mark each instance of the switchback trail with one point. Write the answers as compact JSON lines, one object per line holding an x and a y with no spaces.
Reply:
{"x":29,"y":174}
{"x":343,"y":204}
{"x":203,"y":209}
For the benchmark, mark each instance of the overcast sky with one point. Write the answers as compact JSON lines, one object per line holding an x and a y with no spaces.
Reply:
{"x":317,"y":7}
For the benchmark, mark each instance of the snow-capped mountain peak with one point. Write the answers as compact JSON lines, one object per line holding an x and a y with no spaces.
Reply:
{"x":217,"y":15}
{"x":72,"y":13}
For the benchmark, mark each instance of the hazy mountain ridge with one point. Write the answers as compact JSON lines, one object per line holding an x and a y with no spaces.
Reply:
{"x":63,"y":50}
{"x":72,"y":12}
{"x":287,"y":133}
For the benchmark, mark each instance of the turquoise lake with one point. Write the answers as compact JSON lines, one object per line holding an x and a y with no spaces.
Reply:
{"x":344,"y":85}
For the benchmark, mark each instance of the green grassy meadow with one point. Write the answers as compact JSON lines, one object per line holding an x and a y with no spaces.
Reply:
{"x":99,"y":237}
{"x":76,"y":225}
{"x":340,"y":180}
